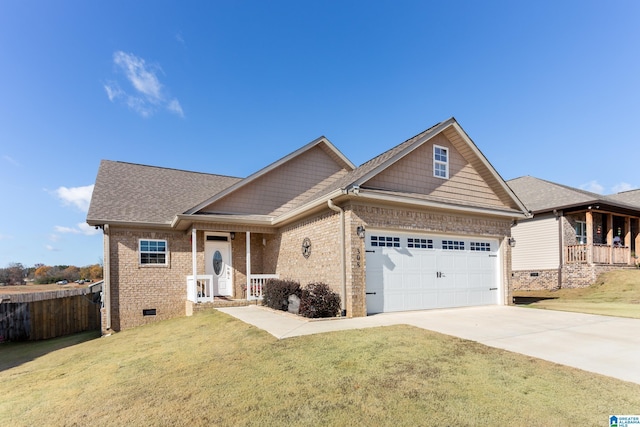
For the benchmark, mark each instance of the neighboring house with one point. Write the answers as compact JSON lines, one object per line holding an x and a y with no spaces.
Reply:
{"x":574,"y":235}
{"x":423,"y":225}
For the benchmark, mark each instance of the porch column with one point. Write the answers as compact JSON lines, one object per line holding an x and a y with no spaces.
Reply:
{"x":194,"y":257}
{"x":610,"y":236}
{"x":248,"y":245}
{"x":627,"y":237}
{"x":589,"y":219}
{"x":636,"y":247}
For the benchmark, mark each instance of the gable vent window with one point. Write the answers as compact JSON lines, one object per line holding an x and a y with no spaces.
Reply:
{"x":440,"y":162}
{"x":385,"y":241}
{"x":153,"y":252}
{"x":480,"y":246}
{"x":413,"y":242}
{"x":453,"y":245}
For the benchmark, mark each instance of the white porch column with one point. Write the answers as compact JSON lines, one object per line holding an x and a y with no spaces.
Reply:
{"x":248,"y":245}
{"x":194,"y":256}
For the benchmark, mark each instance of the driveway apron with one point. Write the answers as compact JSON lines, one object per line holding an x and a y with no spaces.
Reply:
{"x":601,"y":344}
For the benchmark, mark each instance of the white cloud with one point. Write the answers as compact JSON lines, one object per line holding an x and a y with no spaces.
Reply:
{"x":88,"y":230}
{"x":175,"y":107}
{"x":77,"y":196}
{"x":149,"y":93}
{"x":11,"y":160}
{"x":593,"y":186}
{"x":622,"y":186}
{"x":80,"y":228}
{"x":66,"y":230}
{"x":51,"y":248}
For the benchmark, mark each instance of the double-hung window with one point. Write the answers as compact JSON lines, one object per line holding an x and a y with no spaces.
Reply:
{"x":440,"y":162}
{"x":153,"y":252}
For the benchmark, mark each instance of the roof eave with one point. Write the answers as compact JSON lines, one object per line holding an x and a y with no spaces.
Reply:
{"x":396,"y":199}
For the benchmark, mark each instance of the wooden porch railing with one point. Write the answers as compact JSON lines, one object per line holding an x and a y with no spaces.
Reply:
{"x":601,"y":254}
{"x":256,"y":285}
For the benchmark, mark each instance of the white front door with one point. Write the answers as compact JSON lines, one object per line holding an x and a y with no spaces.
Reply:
{"x":217,"y":260}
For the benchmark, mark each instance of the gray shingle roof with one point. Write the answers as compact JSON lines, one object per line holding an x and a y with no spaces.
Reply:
{"x":130,"y":193}
{"x":540,"y":195}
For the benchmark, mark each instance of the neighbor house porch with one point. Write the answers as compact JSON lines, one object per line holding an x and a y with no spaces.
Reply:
{"x":603,"y":238}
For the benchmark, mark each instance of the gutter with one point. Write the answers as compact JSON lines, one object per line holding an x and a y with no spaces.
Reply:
{"x":343,"y":266}
{"x":106,"y":273}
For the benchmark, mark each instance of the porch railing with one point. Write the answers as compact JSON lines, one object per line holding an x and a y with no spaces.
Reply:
{"x":256,"y":285}
{"x":201,"y":290}
{"x":601,"y":254}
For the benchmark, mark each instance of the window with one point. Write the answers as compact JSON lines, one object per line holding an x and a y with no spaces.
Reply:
{"x":414,"y":242}
{"x":440,"y":162}
{"x":453,"y":245}
{"x":153,"y":252}
{"x":581,"y":232}
{"x":390,"y":242}
{"x":480,"y":246}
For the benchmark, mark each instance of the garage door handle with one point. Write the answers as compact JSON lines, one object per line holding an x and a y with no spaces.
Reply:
{"x":371,"y":293}
{"x":493,"y":289}
{"x":371,"y":252}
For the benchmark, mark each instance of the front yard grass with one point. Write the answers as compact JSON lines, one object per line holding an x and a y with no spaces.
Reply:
{"x":211,"y":369}
{"x":616,"y":293}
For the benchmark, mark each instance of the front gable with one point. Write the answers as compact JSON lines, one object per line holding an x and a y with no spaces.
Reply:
{"x":471,"y":179}
{"x":285,"y":185}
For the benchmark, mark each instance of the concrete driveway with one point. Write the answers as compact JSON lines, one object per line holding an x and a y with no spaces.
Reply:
{"x":605,"y":345}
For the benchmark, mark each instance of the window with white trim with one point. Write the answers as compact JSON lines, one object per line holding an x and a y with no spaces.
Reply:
{"x":480,"y":246}
{"x":440,"y":162}
{"x":153,"y":252}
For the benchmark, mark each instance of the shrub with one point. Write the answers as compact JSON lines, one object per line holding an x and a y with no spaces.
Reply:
{"x":276,"y":293}
{"x":318,"y":300}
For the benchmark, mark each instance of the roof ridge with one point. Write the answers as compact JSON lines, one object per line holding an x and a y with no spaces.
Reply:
{"x":171,"y":169}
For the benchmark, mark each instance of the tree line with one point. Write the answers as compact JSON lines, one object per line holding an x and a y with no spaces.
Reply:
{"x":17,"y":274}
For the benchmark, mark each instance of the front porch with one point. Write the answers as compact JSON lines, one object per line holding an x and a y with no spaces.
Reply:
{"x":225,"y":284}
{"x":603,"y":238}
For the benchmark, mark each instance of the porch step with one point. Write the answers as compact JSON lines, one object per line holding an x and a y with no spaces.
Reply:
{"x":222,"y":302}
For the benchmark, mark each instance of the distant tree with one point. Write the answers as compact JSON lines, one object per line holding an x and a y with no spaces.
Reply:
{"x":42,"y":274}
{"x":71,"y":273}
{"x":95,"y":272}
{"x":15,"y":274}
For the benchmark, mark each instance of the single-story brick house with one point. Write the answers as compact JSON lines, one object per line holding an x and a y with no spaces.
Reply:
{"x":573,"y":236}
{"x":424,"y":225}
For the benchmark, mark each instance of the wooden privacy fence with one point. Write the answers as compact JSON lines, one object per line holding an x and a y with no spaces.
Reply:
{"x":43,"y":315}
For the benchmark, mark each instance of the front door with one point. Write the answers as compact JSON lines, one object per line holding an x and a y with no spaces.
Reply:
{"x":217,"y":259}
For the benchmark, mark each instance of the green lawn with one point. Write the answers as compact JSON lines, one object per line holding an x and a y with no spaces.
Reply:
{"x":616,"y":293}
{"x":211,"y":369}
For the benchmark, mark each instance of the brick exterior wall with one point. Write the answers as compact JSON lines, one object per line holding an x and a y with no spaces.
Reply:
{"x":542,"y":279}
{"x":135,"y":287}
{"x":583,"y":275}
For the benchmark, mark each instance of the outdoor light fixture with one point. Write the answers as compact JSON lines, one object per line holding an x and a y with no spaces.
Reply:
{"x":360,"y":231}
{"x":233,"y":235}
{"x":512,"y":242}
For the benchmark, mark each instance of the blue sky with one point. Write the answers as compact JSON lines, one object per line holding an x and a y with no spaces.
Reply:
{"x":546,"y":88}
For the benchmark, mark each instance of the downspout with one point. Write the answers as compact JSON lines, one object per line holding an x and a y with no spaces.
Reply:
{"x":106,"y":273}
{"x":343,"y":266}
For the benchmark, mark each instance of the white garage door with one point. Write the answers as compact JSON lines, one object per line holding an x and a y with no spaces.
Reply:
{"x":417,"y":272}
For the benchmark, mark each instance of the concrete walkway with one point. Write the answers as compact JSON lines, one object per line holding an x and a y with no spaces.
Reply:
{"x":605,"y":345}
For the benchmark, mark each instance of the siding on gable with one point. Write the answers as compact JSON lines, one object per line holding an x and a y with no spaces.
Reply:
{"x":537,"y":244}
{"x":283,"y":188}
{"x":414,"y":174}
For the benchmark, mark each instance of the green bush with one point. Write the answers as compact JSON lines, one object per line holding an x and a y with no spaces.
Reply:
{"x":276,"y":293}
{"x":318,"y":300}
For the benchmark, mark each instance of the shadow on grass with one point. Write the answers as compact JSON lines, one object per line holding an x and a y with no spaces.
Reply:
{"x":529,"y":300}
{"x":13,"y":354}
